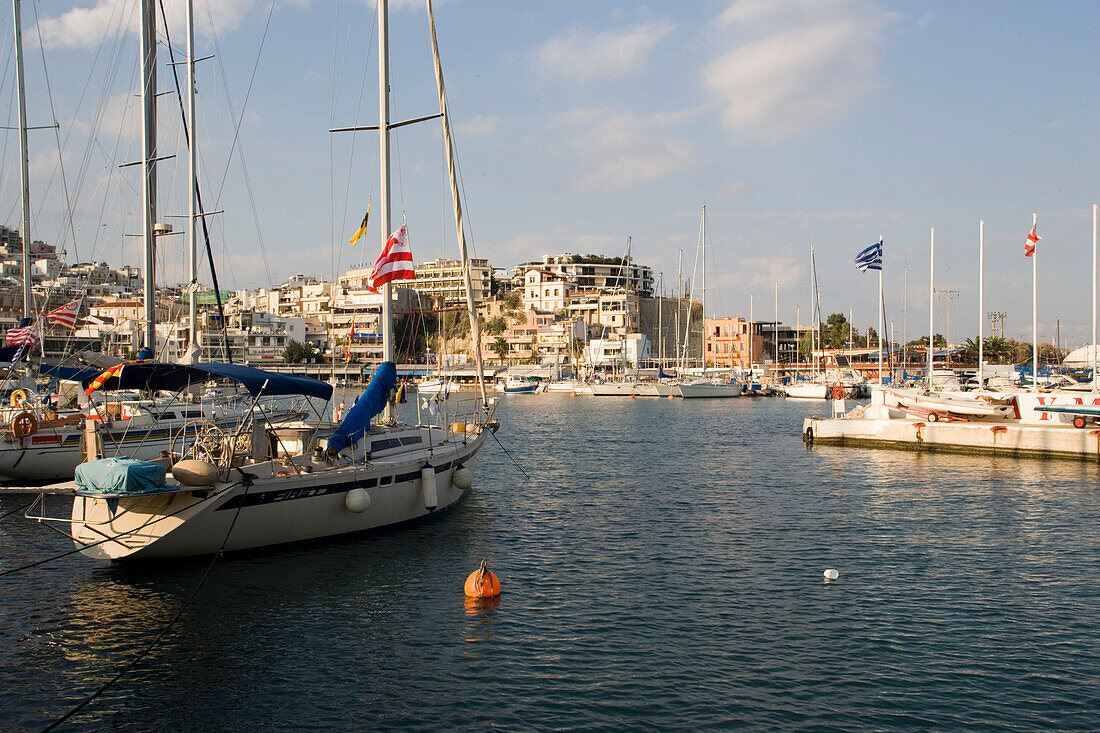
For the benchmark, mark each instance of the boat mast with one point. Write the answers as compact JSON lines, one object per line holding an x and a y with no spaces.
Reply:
{"x":703,"y":325}
{"x":931,"y":304}
{"x":24,"y":171}
{"x":813,"y":313}
{"x":192,"y":234}
{"x":471,"y":308}
{"x":149,"y":164}
{"x":660,"y":335}
{"x":981,"y":303}
{"x":384,"y":192}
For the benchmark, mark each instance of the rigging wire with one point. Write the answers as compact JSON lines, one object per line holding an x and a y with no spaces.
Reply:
{"x":235,"y":144}
{"x":57,"y":138}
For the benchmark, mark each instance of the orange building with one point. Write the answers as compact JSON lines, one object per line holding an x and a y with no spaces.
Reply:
{"x":728,"y":343}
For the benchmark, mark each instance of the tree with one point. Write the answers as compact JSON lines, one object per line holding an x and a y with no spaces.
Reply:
{"x":496,"y":326}
{"x":500,"y":347}
{"x":512,"y":300}
{"x":296,"y":353}
{"x":576,"y":348}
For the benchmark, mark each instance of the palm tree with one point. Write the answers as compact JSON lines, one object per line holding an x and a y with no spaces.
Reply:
{"x":500,"y":346}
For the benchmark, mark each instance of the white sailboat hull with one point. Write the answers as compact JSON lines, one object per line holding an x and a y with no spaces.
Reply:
{"x":807,"y":391}
{"x":273,"y":510}
{"x":707,"y":388}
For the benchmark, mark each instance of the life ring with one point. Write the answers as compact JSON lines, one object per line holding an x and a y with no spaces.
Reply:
{"x":838,"y":391}
{"x":23,"y":424}
{"x":18,"y":396}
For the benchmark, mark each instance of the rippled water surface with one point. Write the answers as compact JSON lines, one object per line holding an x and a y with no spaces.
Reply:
{"x":662,"y":568}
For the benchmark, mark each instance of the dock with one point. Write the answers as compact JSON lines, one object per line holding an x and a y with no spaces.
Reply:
{"x":1030,"y":434}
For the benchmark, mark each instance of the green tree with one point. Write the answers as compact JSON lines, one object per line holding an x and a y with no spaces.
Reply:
{"x":512,"y":301}
{"x":496,"y":326}
{"x":576,"y":349}
{"x":500,"y":347}
{"x":296,"y":353}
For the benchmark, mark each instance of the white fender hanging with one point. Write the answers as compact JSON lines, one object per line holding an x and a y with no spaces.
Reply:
{"x":357,"y":500}
{"x":463,"y":478}
{"x":427,"y":487}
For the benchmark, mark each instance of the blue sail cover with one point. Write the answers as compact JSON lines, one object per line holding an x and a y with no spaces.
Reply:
{"x":372,"y":402}
{"x":174,"y":377}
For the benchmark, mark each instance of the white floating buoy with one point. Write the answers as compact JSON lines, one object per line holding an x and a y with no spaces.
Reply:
{"x":831,"y":574}
{"x":357,"y":500}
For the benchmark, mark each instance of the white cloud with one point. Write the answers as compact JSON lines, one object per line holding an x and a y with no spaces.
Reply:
{"x":796,"y":65}
{"x":584,"y":55}
{"x":84,"y":27}
{"x":480,"y":126}
{"x":620,"y":149}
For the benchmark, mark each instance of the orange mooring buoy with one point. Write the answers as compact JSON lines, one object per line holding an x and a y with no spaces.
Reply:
{"x":482,"y":583}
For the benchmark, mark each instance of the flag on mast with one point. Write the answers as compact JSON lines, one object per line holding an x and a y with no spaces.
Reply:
{"x":1032,"y":240}
{"x":870,"y":258}
{"x":26,"y":334}
{"x":66,"y":314}
{"x":395,"y":262}
{"x":362,"y":227}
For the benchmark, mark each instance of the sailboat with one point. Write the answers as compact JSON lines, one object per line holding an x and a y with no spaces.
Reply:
{"x":717,"y":386}
{"x":38,"y":444}
{"x":267,"y":485}
{"x":815,"y":388}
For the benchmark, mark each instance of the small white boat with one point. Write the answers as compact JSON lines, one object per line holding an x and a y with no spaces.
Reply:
{"x":711,"y":388}
{"x":568,"y":387}
{"x":953,"y":403}
{"x":807,"y":391}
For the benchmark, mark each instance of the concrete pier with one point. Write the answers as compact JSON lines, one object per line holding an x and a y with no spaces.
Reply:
{"x":1031,"y":433}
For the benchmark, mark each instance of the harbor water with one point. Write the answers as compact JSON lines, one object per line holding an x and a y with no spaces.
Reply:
{"x":662,"y":568}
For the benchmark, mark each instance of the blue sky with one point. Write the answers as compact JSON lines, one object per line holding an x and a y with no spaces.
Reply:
{"x":580,"y":124}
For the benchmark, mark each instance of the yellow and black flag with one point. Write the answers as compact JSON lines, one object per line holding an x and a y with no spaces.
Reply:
{"x":362,"y":227}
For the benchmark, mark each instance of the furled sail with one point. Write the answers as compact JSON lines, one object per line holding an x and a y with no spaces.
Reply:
{"x":372,"y":402}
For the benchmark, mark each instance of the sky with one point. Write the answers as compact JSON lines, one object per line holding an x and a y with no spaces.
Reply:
{"x":582,"y":125}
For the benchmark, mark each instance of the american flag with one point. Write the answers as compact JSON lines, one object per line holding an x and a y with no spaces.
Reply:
{"x":395,"y":262}
{"x":66,"y":314}
{"x":24,"y":335}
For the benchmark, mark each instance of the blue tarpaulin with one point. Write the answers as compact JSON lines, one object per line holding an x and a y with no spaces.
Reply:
{"x":372,"y":402}
{"x":120,"y":476}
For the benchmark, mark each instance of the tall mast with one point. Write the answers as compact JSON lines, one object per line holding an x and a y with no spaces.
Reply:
{"x":24,"y":172}
{"x":981,"y":304}
{"x":475,"y":329}
{"x":1035,"y":311}
{"x":931,"y":304}
{"x":813,"y":312}
{"x":384,"y":164}
{"x":1094,"y":297}
{"x":192,"y":235}
{"x":703,"y":325}
{"x":660,"y":312}
{"x":149,"y":164}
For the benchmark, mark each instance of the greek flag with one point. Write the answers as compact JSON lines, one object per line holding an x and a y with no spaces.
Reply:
{"x":870,"y":258}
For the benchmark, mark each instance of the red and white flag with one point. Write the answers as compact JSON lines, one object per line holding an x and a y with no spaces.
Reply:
{"x":395,"y":262}
{"x":1032,"y":240}
{"x":66,"y":314}
{"x":24,"y":335}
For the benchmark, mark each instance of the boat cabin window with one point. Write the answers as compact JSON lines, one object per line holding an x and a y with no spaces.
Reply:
{"x":385,"y":481}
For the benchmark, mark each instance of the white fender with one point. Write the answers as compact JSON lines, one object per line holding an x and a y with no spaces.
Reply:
{"x":463,"y":478}
{"x":357,"y":500}
{"x":427,"y":487}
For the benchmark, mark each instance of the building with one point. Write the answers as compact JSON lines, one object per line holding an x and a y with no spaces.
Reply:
{"x":444,"y":280}
{"x":591,"y":272}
